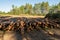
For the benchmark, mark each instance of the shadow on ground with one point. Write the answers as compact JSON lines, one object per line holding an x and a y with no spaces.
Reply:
{"x":33,"y":35}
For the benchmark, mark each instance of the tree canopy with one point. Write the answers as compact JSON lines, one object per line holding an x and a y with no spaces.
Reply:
{"x":38,"y":8}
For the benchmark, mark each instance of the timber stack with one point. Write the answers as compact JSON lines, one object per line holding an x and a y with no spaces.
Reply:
{"x":23,"y":24}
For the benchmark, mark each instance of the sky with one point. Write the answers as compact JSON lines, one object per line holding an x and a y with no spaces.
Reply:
{"x":6,"y":5}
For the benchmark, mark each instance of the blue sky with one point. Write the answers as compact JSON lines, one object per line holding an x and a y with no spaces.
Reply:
{"x":6,"y":5}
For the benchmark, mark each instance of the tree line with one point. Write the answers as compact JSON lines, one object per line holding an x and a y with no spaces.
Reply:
{"x":38,"y":8}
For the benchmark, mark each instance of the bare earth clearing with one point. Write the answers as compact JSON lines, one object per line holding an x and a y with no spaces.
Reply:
{"x":33,"y":35}
{"x":49,"y":34}
{"x":28,"y":16}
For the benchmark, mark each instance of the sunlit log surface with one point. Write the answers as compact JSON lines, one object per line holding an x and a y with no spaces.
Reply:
{"x":10,"y":25}
{"x":27,"y":24}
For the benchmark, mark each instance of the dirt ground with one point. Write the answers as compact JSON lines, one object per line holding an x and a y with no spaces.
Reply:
{"x":33,"y":35}
{"x":27,"y":16}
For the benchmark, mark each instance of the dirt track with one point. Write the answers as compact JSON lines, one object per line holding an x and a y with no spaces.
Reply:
{"x":27,"y":16}
{"x":33,"y":35}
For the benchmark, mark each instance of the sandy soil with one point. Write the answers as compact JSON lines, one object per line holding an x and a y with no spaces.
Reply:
{"x":29,"y":16}
{"x":33,"y":35}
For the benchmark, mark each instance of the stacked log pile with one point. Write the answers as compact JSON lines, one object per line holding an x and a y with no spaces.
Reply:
{"x":27,"y":24}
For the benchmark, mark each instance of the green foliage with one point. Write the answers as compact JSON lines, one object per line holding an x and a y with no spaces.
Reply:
{"x":53,"y":15}
{"x":32,"y":10}
{"x":38,"y":9}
